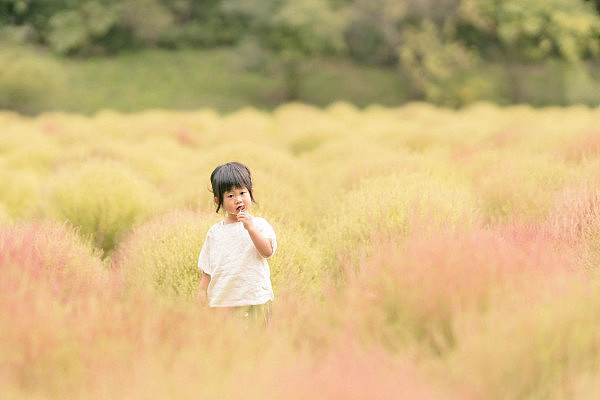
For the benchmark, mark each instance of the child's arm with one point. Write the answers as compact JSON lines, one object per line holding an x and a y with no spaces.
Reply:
{"x":202,"y":295}
{"x":262,"y":244}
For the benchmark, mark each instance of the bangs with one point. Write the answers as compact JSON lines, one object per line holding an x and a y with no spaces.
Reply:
{"x":230,"y":178}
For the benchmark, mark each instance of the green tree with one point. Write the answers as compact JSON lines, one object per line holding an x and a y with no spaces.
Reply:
{"x":440,"y":68}
{"x":376,"y":28}
{"x":77,"y":30}
{"x":530,"y":31}
{"x":13,"y":11}
{"x":92,"y":26}
{"x":30,"y":14}
{"x":442,"y":47}
{"x":202,"y":24}
{"x":419,"y":37}
{"x":373,"y":30}
{"x":595,"y":3}
{"x":291,"y":33}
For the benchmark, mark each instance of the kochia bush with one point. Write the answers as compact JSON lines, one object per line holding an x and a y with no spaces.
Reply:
{"x":297,"y":265}
{"x":392,"y":204}
{"x":424,"y":288}
{"x":47,"y":273}
{"x":52,"y":253}
{"x":161,"y":255}
{"x":20,"y":189}
{"x":104,"y":199}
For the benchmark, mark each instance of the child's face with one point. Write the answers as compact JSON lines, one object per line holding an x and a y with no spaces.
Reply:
{"x":236,"y":200}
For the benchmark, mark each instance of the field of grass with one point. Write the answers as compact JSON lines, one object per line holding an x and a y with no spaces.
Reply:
{"x":191,"y":79}
{"x":424,"y":253}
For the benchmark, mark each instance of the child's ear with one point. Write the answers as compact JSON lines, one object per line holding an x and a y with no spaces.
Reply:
{"x":216,"y":200}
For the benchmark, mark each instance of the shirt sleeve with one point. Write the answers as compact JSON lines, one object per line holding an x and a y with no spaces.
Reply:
{"x":269,"y":233}
{"x":204,"y":258}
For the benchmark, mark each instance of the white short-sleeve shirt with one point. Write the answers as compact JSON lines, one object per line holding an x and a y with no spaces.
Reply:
{"x":239,"y":275}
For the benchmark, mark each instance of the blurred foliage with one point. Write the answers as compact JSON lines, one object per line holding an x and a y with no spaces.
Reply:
{"x":464,"y":245}
{"x":188,"y":79}
{"x":104,"y":199}
{"x":136,"y":185}
{"x":449,"y":52}
{"x":75,"y":30}
{"x":290,"y":33}
{"x":531,"y":30}
{"x":443,"y":71}
{"x":27,"y":80}
{"x":162,"y":253}
{"x":371,"y":30}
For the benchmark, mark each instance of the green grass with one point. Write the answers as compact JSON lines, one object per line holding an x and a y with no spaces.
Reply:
{"x":189,"y":79}
{"x":158,"y":79}
{"x":192,"y":79}
{"x":359,"y":85}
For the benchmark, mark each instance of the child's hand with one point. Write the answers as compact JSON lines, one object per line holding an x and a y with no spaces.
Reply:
{"x":245,"y":218}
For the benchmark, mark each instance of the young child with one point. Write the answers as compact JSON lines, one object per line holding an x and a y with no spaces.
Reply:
{"x":233,"y":259}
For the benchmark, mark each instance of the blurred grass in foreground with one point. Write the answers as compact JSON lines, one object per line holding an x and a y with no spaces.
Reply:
{"x":423,"y":253}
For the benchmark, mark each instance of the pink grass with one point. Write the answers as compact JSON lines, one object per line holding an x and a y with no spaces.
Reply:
{"x":583,"y":148}
{"x":575,"y":215}
{"x":345,"y":371}
{"x":47,"y":277}
{"x":48,"y":254}
{"x":423,"y":287}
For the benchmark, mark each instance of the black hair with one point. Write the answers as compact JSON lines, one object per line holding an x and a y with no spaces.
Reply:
{"x":229,"y":176}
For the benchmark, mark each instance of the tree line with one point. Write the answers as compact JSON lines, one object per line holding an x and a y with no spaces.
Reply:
{"x":438,"y":45}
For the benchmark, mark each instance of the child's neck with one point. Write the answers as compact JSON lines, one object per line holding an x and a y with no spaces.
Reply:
{"x":230,"y":219}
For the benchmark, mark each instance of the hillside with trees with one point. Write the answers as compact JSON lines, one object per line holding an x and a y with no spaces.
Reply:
{"x":447,"y":52}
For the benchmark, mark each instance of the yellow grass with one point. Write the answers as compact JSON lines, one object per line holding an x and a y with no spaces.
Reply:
{"x":424,"y":253}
